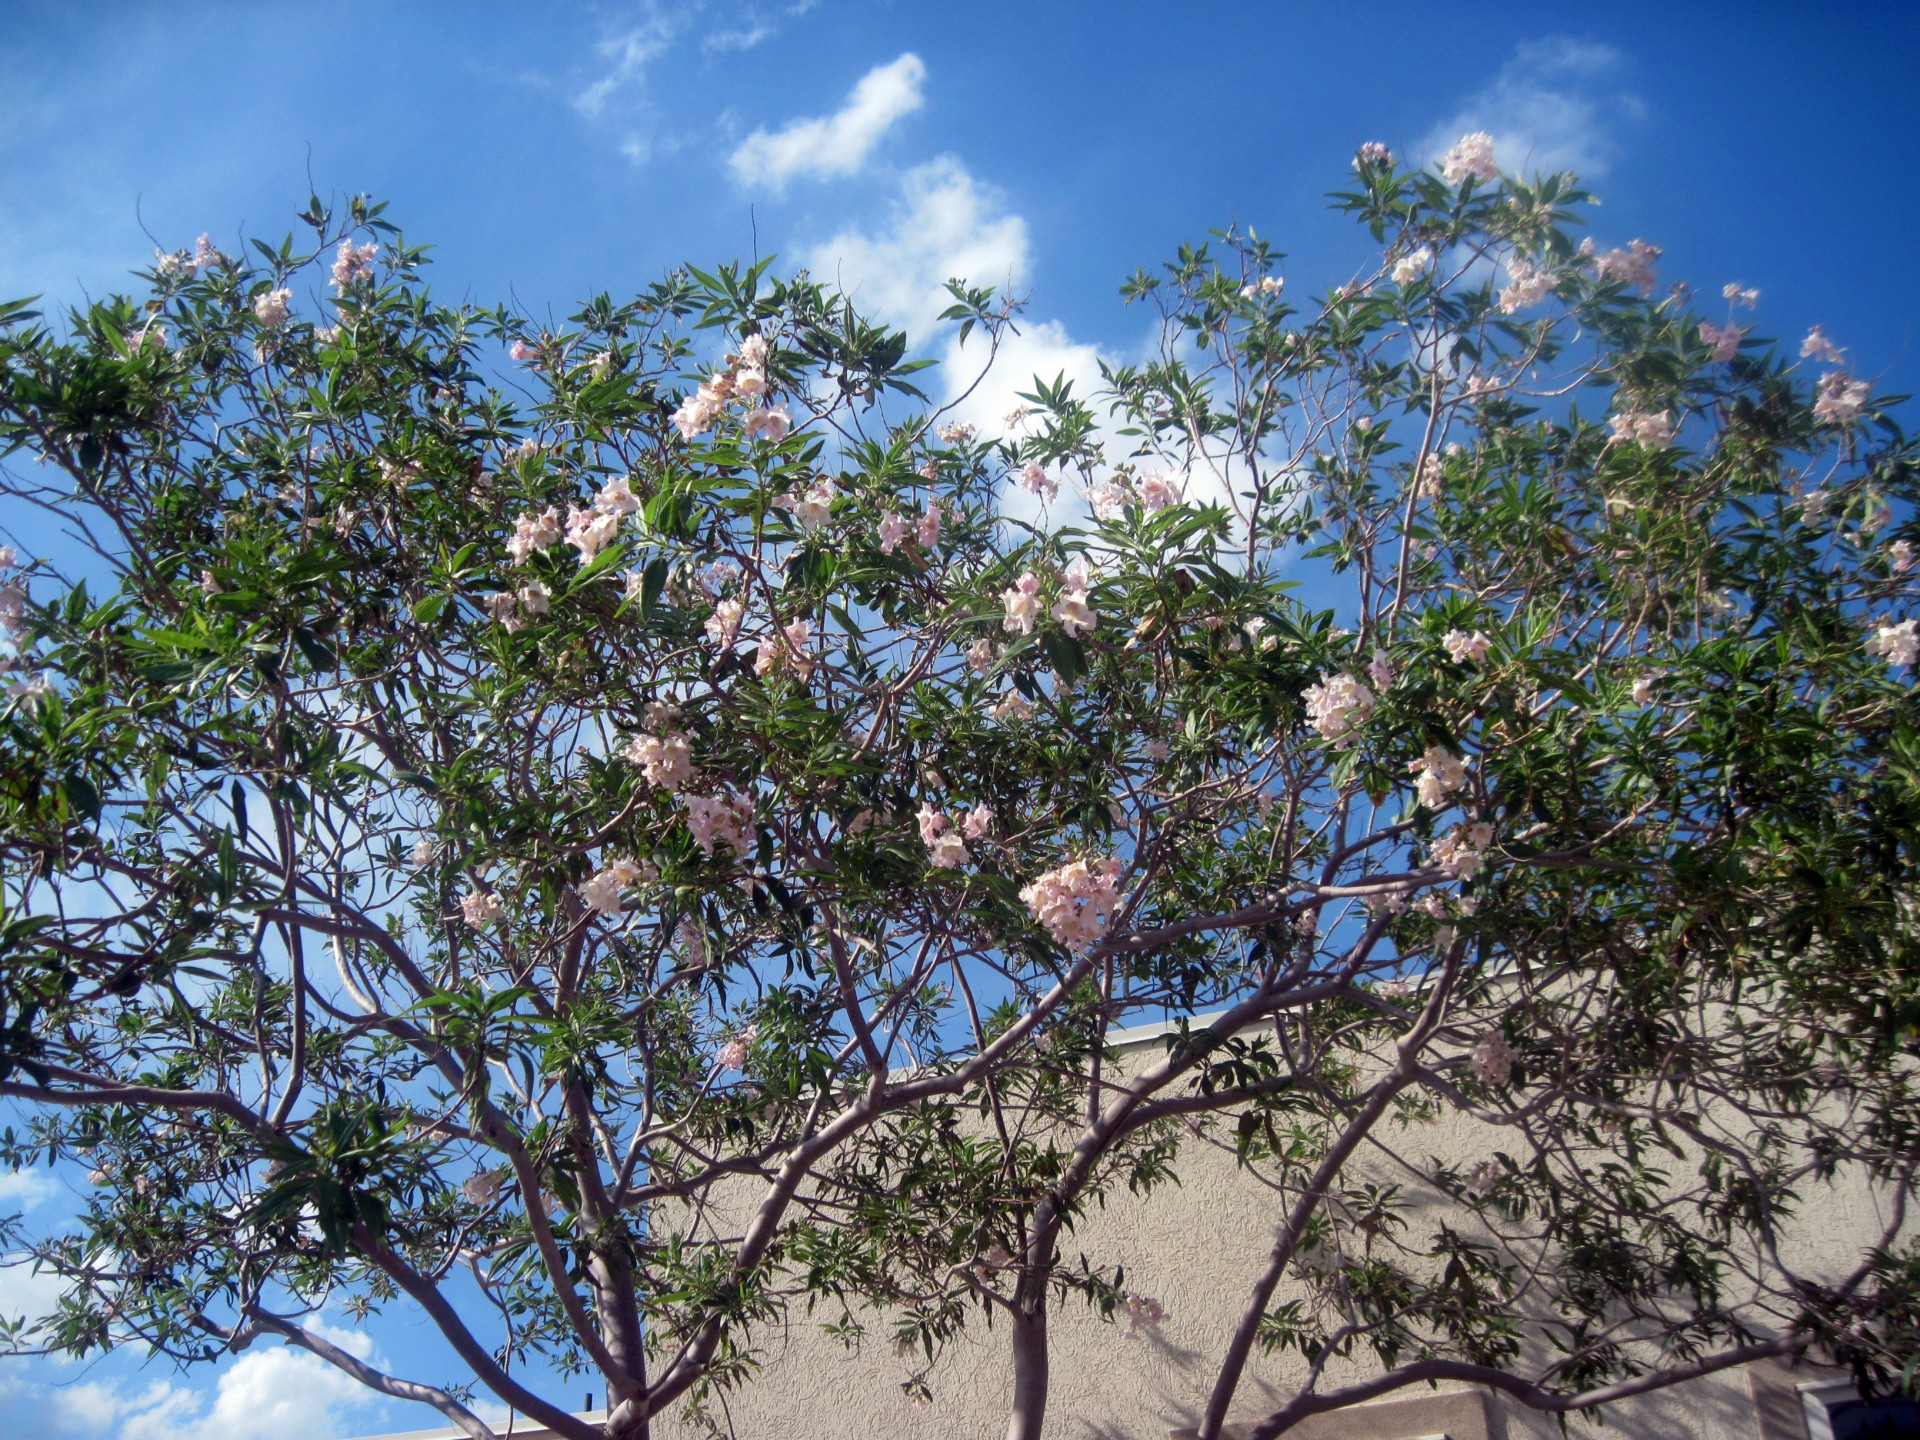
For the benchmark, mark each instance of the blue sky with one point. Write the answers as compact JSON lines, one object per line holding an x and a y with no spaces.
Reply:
{"x":551,"y":152}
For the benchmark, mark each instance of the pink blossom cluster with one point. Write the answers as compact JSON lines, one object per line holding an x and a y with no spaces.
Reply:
{"x":1818,"y":347}
{"x":733,"y":1054}
{"x":1076,"y":616}
{"x":1411,"y":266}
{"x":786,"y":650}
{"x":513,"y":607}
{"x":1264,"y":286}
{"x":1898,"y":645}
{"x":602,"y":891}
{"x":1108,"y":498}
{"x":1022,"y":604}
{"x":481,"y":908}
{"x":1493,"y":1059}
{"x":1900,"y":556}
{"x":1631,"y":266}
{"x":957,"y":432}
{"x":1337,"y":704}
{"x":665,"y":760}
{"x":1035,"y":480}
{"x":1644,"y":428}
{"x":271,"y":308}
{"x":723,"y":819}
{"x":1442,"y":773}
{"x":946,"y":850}
{"x":1372,"y":153}
{"x":1527,"y":284}
{"x":812,"y":507}
{"x":1461,"y":852}
{"x":590,"y":529}
{"x":744,"y":380}
{"x":926,"y":528}
{"x":1470,"y":155}
{"x":1484,"y":1177}
{"x":1012,"y":706}
{"x":1379,"y":670}
{"x":1722,"y":341}
{"x":351,"y":263}
{"x":1747,"y":297}
{"x":534,"y":532}
{"x":13,"y":595}
{"x":174,"y":264}
{"x":1158,"y":491}
{"x":1840,"y":400}
{"x":1464,"y":649}
{"x":1075,"y":902}
{"x":723,"y":626}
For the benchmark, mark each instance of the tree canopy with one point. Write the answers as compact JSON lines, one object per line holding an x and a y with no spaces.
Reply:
{"x":605,"y":837}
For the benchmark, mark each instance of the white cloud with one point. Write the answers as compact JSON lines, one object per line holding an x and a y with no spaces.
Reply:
{"x":1556,"y":105}
{"x":944,"y":225}
{"x":836,"y":144}
{"x":629,"y":53}
{"x":277,"y":1393}
{"x":25,"y":1189}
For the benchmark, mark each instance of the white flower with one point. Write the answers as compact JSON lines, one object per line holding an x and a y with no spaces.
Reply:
{"x":1441,"y":774}
{"x":768,"y":424}
{"x":271,"y":308}
{"x":481,"y":908}
{"x":1898,"y":644}
{"x":1493,"y":1059}
{"x":423,"y":852}
{"x":1463,"y":647}
{"x":723,"y":626}
{"x":1644,"y":428}
{"x":1337,"y":704}
{"x":1411,"y":266}
{"x":1022,"y":604}
{"x":1483,"y":1177}
{"x":1470,"y":155}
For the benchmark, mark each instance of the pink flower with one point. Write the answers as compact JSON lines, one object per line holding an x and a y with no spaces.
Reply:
{"x":1411,"y":266}
{"x":1644,"y":428}
{"x":1898,"y":645}
{"x":1493,"y":1059}
{"x":1483,"y":1178}
{"x":602,"y":892}
{"x":271,"y":308}
{"x":1144,"y":1312}
{"x":1724,"y":341}
{"x":1076,"y":902}
{"x":481,"y":908}
{"x":927,"y":532}
{"x":1748,"y":298}
{"x":1158,"y":491}
{"x":723,"y":819}
{"x":1022,"y":603}
{"x":1380,"y":671}
{"x":1631,"y":266}
{"x":733,"y":1054}
{"x":534,"y":532}
{"x":723,"y":626}
{"x":350,"y":263}
{"x":947,"y":852}
{"x":893,"y":529}
{"x":1441,"y":774}
{"x":1372,"y":153}
{"x":1463,"y":647}
{"x":1818,"y":347}
{"x":978,"y":822}
{"x":1840,"y":400}
{"x":1900,"y":556}
{"x":1013,"y":706}
{"x":590,"y":531}
{"x":1034,"y":478}
{"x":522,"y":351}
{"x":768,"y":424}
{"x":1470,"y":155}
{"x":1526,"y":285}
{"x":1337,"y":704}
{"x":665,"y":760}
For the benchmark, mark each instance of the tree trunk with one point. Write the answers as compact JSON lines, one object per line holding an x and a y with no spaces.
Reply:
{"x":1029,"y":1372}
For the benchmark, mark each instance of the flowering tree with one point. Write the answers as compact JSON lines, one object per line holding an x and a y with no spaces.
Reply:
{"x":603,"y":860}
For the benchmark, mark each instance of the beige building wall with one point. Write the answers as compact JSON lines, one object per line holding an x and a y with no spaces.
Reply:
{"x":1196,"y":1247}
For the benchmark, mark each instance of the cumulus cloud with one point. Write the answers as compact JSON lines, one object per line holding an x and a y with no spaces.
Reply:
{"x":836,"y":144}
{"x":1557,"y":104}
{"x":24,"y":1189}
{"x":276,"y":1393}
